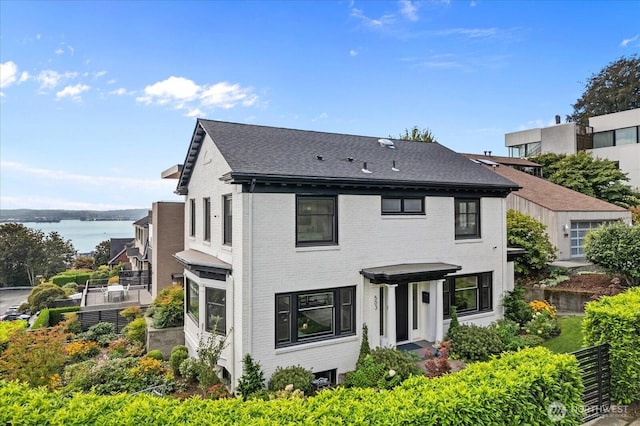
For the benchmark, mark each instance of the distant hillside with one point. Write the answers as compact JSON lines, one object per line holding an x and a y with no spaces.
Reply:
{"x":27,"y":215}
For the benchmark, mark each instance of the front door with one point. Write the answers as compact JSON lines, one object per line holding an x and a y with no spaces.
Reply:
{"x":402,"y":312}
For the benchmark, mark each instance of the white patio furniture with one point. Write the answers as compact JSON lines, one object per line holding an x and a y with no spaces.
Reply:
{"x":115,"y":292}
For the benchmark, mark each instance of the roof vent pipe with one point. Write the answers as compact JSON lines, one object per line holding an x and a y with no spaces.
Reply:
{"x":364,"y":168}
{"x":557,"y":119}
{"x":320,"y":157}
{"x":394,"y":168}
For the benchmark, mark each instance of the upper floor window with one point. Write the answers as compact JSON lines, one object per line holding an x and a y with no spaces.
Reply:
{"x":206,"y":210}
{"x":192,"y":217}
{"x":402,"y":205}
{"x":467,"y":218}
{"x":216,"y":310}
{"x":314,"y":315}
{"x":468,"y":293}
{"x":525,"y":150}
{"x":625,"y":136}
{"x":316,"y":221}
{"x":227,"y":220}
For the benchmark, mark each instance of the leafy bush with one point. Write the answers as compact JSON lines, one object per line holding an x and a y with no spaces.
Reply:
{"x":252,"y":379}
{"x":616,"y":320}
{"x":7,"y":328}
{"x":543,"y":306}
{"x":131,"y":312}
{"x":364,"y":345}
{"x":167,"y":310}
{"x":542,"y":324}
{"x":43,"y":296}
{"x":528,"y":233}
{"x":384,"y":368}
{"x":42,"y":320}
{"x":616,"y":247}
{"x":189,"y":369}
{"x":514,"y":389}
{"x":436,"y":367}
{"x":472,"y":343}
{"x":81,"y":350}
{"x":136,"y":330}
{"x":102,"y":332}
{"x":295,"y":375}
{"x":515,"y":308}
{"x":178,"y":354}
{"x":71,"y":276}
{"x":155,"y":354}
{"x":56,"y":314}
{"x":218,"y":391}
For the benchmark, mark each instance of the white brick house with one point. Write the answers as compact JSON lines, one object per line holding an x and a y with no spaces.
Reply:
{"x":294,"y":239}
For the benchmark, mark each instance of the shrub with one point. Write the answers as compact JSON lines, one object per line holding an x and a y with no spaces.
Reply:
{"x":189,"y":369}
{"x":43,"y":296}
{"x":56,"y":314}
{"x":616,"y":248}
{"x":42,"y":320}
{"x":118,"y":348}
{"x":136,"y":330}
{"x":7,"y":328}
{"x":472,"y":343}
{"x":218,"y":391}
{"x":543,"y":306}
{"x":167,"y":310}
{"x":515,"y":308}
{"x":616,"y":320}
{"x":252,"y":379}
{"x":454,"y":323}
{"x":113,"y":280}
{"x":71,"y":276}
{"x":514,"y":389}
{"x":296,"y":375}
{"x":542,"y":324}
{"x":364,"y":345}
{"x":384,"y":368}
{"x":178,"y":354}
{"x":512,"y":340}
{"x":155,"y":354}
{"x":528,"y":233}
{"x":102,"y":332}
{"x":131,"y":312}
{"x":402,"y":362}
{"x":81,"y":350}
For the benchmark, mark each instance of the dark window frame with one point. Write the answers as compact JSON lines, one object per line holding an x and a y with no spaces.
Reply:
{"x":286,"y":320}
{"x":221,"y":324}
{"x":477,"y":234}
{"x":403,"y":210}
{"x":484,"y":294}
{"x":192,"y":217}
{"x":206,"y":213}
{"x":333,"y":221}
{"x":227,"y":220}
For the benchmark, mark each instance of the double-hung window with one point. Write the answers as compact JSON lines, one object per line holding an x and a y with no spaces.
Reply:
{"x":206,"y":210}
{"x":192,"y":217}
{"x":316,"y":221}
{"x":402,"y":205}
{"x":193,"y":299}
{"x":216,"y":310}
{"x":468,"y":293}
{"x":314,"y":315}
{"x":467,"y":218}
{"x":227,"y":220}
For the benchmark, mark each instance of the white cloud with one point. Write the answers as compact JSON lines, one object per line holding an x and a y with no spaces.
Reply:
{"x":8,"y":72}
{"x":182,"y":93}
{"x":626,"y":41}
{"x":194,"y":113}
{"x":372,"y":22}
{"x":120,"y":92}
{"x":59,"y":51}
{"x":470,"y":32}
{"x":100,"y":74}
{"x":24,"y":76}
{"x":72,"y":92}
{"x":409,"y":10}
{"x":48,"y":79}
{"x":322,"y":116}
{"x":353,"y":52}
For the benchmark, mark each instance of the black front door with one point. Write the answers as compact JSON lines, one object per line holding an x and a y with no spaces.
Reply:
{"x":402,"y":312}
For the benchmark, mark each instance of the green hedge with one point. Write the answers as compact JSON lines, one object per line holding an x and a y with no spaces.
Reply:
{"x":42,"y":320}
{"x":55,"y":314}
{"x":616,"y":320}
{"x":513,"y":390}
{"x":79,"y":278}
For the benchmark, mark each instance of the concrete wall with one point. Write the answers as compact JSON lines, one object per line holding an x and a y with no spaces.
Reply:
{"x":628,"y":157}
{"x":168,"y":224}
{"x":163,"y":339}
{"x":618,"y":120}
{"x":560,"y":139}
{"x":523,"y":137}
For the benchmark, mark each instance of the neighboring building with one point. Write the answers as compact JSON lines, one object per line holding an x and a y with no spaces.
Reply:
{"x":166,"y":237}
{"x":118,"y":251}
{"x":612,"y":136}
{"x":294,"y":239}
{"x":140,"y":253}
{"x":567,"y":214}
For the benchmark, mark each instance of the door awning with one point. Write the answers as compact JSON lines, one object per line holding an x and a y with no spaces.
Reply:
{"x":409,"y":272}
{"x":203,"y":264}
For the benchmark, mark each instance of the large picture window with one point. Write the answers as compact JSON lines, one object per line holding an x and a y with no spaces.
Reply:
{"x":193,"y":299}
{"x":314,"y":315}
{"x":316,"y":221}
{"x":468,"y":293}
{"x":402,"y":205}
{"x":467,"y":218}
{"x":216,"y":310}
{"x":206,"y":210}
{"x":227,"y":219}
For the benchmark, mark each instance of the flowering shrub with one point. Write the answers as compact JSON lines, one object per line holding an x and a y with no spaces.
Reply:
{"x":167,"y":310}
{"x":218,"y":391}
{"x":81,"y":350}
{"x":118,"y":348}
{"x":542,"y":324}
{"x":543,"y":305}
{"x":147,"y":366}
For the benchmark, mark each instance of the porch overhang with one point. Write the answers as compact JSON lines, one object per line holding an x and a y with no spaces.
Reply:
{"x":202,"y":264}
{"x":409,"y":272}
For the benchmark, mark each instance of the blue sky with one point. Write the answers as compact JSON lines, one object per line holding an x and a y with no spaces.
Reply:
{"x":98,"y":98}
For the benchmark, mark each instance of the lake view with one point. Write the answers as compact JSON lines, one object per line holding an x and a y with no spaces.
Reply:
{"x":86,"y":235}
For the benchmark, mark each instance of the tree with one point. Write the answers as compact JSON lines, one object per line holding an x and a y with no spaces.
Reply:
{"x":614,"y":88}
{"x":26,"y":253}
{"x":102,"y":254}
{"x":525,"y":232}
{"x":616,"y":248}
{"x":252,"y":379}
{"x":597,"y":177}
{"x":415,"y":134}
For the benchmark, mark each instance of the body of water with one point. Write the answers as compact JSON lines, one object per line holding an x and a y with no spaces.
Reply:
{"x":86,"y":235}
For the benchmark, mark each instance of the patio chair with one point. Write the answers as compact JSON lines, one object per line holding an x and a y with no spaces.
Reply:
{"x":105,"y":293}
{"x":126,"y":291}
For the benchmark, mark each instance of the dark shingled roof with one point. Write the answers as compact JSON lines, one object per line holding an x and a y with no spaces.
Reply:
{"x":278,"y":153}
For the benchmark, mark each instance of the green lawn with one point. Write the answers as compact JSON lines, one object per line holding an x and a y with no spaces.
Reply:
{"x":570,"y":338}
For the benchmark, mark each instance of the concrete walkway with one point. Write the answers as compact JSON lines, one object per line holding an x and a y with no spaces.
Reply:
{"x":619,"y":416}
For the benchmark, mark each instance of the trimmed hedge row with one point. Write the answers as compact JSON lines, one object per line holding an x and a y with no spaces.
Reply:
{"x":55,"y":314}
{"x":516,"y":389}
{"x":616,"y":320}
{"x":78,"y":278}
{"x":42,"y":320}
